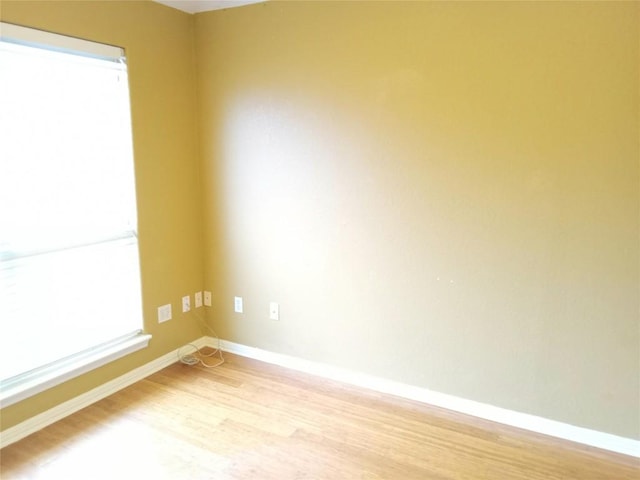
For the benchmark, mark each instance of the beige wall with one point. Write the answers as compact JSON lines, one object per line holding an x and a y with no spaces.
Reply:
{"x":159,"y":45}
{"x":443,"y":194}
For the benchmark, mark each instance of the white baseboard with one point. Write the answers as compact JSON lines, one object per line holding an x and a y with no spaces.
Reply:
{"x":606,"y":441}
{"x":585,"y":436}
{"x":38,"y":422}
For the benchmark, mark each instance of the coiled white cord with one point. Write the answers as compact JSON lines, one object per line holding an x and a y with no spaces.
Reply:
{"x":191,"y":354}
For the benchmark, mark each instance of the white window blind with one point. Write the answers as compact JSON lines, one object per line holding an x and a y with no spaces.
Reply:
{"x":69,"y":267}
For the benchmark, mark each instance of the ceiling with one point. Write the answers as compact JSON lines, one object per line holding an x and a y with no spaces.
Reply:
{"x":196,"y":6}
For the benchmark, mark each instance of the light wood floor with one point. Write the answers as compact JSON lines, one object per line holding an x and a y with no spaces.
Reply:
{"x":250,"y":420}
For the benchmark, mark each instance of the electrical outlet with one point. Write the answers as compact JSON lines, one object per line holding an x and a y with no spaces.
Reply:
{"x":164,"y":313}
{"x":198,"y":297}
{"x":186,"y":303}
{"x":207,"y":298}
{"x":237,"y":304}
{"x":274,"y":311}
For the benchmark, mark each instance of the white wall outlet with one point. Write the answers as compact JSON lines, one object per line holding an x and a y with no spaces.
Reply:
{"x":186,"y":303}
{"x":198,"y":297}
{"x":237,"y":304}
{"x":274,"y":311}
{"x":164,"y":313}
{"x":207,"y":298}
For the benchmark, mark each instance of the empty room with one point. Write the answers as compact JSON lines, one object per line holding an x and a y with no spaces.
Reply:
{"x":319,"y":239}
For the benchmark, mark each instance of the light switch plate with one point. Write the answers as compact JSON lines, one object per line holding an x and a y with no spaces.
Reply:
{"x":198,"y":297}
{"x":207,"y":298}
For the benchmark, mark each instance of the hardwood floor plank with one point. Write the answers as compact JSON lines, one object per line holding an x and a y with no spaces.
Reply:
{"x":250,"y":420}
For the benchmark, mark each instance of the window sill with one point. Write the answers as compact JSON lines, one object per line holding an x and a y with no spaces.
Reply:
{"x":73,"y":367}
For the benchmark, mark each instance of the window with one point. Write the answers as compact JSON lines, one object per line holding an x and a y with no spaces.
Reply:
{"x":70,"y":295}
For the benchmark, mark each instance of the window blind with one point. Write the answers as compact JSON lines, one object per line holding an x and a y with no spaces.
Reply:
{"x":69,"y":263}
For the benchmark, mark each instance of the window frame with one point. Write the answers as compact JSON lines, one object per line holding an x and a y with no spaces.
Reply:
{"x":27,"y":384}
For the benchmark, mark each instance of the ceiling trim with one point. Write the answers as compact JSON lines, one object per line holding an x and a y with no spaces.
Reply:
{"x":198,"y":6}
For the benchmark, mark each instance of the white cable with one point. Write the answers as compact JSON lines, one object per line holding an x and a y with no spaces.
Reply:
{"x":197,"y":356}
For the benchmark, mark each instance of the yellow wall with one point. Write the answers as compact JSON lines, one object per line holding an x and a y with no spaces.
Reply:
{"x":444,"y":194}
{"x":159,"y":46}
